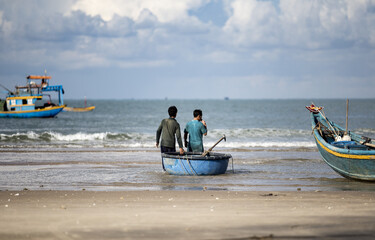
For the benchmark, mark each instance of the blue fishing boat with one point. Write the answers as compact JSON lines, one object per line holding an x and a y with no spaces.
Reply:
{"x":349,"y":154}
{"x":26,"y":101}
{"x":195,"y":164}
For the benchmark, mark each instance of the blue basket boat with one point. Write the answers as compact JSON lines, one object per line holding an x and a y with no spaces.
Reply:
{"x":354,"y":159}
{"x":194,"y":164}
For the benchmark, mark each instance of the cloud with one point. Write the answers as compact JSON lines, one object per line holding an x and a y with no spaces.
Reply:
{"x":300,"y":23}
{"x":252,"y":22}
{"x":283,"y":42}
{"x":164,"y":10}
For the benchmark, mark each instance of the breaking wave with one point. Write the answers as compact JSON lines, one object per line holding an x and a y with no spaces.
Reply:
{"x":80,"y":136}
{"x":236,"y":138}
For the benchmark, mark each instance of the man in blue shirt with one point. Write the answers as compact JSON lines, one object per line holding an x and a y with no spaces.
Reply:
{"x":196,"y":128}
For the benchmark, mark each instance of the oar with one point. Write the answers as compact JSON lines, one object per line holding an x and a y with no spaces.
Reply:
{"x":209,"y":150}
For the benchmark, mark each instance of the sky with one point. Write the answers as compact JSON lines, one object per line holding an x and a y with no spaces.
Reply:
{"x":192,"y":49}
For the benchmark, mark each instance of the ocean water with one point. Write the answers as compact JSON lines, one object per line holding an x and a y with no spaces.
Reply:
{"x":113,"y":147}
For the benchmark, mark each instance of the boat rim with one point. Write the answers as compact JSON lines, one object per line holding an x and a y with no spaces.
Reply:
{"x":197,"y":156}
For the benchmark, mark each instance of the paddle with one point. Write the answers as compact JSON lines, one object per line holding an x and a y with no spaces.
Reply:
{"x":209,"y":150}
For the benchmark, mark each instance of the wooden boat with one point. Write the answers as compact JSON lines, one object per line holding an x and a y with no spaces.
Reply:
{"x":354,"y":159}
{"x":22,"y":103}
{"x":79,"y":109}
{"x":194,"y":164}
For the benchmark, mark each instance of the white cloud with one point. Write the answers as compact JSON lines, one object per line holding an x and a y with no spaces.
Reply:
{"x":252,"y":22}
{"x":301,"y":23}
{"x":164,"y":10}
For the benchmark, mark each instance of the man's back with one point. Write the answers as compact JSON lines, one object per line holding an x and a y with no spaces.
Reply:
{"x":196,"y":129}
{"x":168,"y":128}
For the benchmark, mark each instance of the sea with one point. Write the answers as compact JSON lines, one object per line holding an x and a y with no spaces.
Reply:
{"x":113,"y":147}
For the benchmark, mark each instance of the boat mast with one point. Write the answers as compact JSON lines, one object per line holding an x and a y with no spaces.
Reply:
{"x":347,"y":114}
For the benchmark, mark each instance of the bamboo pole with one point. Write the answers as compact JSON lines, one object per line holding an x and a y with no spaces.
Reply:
{"x":347,"y":114}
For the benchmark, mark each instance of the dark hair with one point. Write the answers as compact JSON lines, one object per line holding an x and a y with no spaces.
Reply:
{"x":197,"y":112}
{"x":172,"y":110}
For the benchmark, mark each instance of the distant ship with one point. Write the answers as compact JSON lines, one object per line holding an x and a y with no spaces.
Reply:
{"x":23,"y":102}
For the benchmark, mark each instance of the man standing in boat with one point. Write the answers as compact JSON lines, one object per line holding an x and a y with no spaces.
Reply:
{"x":196,"y":129}
{"x":169,"y":130}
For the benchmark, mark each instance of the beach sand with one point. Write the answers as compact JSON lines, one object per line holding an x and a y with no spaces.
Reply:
{"x":186,"y":215}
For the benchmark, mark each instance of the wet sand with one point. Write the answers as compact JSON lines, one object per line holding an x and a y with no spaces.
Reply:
{"x":186,"y":215}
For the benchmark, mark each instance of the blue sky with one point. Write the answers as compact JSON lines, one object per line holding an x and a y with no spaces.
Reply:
{"x":146,"y":49}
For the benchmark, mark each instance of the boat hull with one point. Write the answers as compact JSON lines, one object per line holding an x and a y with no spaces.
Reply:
{"x":84,"y":109}
{"x":350,"y":163}
{"x":194,"y":164}
{"x":48,"y":112}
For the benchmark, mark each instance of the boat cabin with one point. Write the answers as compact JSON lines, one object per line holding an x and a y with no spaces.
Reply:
{"x":22,"y":103}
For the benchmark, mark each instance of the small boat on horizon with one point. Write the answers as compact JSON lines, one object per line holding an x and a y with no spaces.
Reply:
{"x":349,"y":154}
{"x":79,"y":109}
{"x":26,"y":101}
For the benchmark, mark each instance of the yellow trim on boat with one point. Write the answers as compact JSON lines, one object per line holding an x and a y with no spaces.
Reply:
{"x":23,"y":97}
{"x":343,"y":155}
{"x":36,"y":110}
{"x":22,"y":105}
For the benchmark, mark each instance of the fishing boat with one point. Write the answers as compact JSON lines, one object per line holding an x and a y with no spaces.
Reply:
{"x":26,"y":101}
{"x":347,"y":153}
{"x":195,"y":164}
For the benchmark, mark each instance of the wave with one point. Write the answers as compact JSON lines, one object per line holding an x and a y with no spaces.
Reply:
{"x":234,"y":134}
{"x":236,"y":138}
{"x":270,"y":144}
{"x":366,"y":131}
{"x":80,"y":136}
{"x":260,"y":132}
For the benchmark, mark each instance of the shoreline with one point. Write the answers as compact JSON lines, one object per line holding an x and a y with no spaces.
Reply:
{"x":39,"y":214}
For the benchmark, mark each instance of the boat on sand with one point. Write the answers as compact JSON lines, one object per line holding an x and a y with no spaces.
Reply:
{"x":349,"y":154}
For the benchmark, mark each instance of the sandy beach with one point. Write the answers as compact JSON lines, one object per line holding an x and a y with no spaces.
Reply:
{"x":186,"y":215}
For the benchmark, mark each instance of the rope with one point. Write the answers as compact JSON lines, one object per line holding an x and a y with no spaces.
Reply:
{"x":187,"y":159}
{"x":162,"y":162}
{"x":182,"y":164}
{"x":329,"y":124}
{"x":232,"y":165}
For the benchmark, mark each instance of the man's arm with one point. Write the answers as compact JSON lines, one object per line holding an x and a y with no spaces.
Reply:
{"x":204,"y":130}
{"x":158,"y":133}
{"x":185,"y":139}
{"x":178,"y":135}
{"x":179,"y":140}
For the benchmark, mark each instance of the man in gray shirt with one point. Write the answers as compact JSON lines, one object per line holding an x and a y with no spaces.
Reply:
{"x":168,"y":129}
